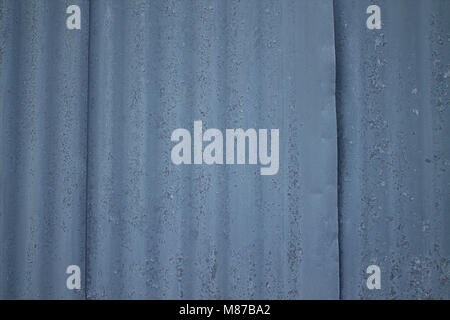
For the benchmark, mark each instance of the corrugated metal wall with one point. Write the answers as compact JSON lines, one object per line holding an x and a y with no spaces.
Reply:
{"x":86,"y":175}
{"x":393,"y":108}
{"x":43,"y":132}
{"x":163,"y":231}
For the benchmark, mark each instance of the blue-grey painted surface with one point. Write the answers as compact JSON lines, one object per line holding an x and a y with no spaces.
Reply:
{"x":43,"y":112}
{"x":86,"y":176}
{"x":156,"y":230}
{"x":393,"y":108}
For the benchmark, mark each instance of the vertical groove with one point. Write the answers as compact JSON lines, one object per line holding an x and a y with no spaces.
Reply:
{"x":86,"y":256}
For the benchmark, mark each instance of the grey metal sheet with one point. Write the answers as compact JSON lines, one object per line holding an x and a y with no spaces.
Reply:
{"x":157,"y":230}
{"x":86,"y":176}
{"x":43,"y":109}
{"x":394,"y":151}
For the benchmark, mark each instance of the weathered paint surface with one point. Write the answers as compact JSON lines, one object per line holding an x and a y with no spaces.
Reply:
{"x":163,"y":231}
{"x":85,"y":170}
{"x":393,"y":108}
{"x":43,"y":135}
{"x":156,"y":230}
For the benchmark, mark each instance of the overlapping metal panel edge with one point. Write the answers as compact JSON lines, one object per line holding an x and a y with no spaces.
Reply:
{"x":394,"y":151}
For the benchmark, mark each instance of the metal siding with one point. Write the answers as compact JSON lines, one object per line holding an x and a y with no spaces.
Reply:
{"x":394,"y":152}
{"x":155,"y":230}
{"x":86,"y":176}
{"x":43,"y":108}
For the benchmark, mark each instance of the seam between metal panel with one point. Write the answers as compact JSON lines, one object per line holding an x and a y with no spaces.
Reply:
{"x":86,"y":256}
{"x":337,"y":153}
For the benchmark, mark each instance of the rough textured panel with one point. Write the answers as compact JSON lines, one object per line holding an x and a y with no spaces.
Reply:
{"x":156,"y":230}
{"x":43,"y":107}
{"x":394,"y":152}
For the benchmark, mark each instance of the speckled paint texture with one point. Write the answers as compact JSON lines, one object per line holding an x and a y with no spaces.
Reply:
{"x":86,"y":176}
{"x":156,"y":230}
{"x":393,"y":112}
{"x":43,"y":148}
